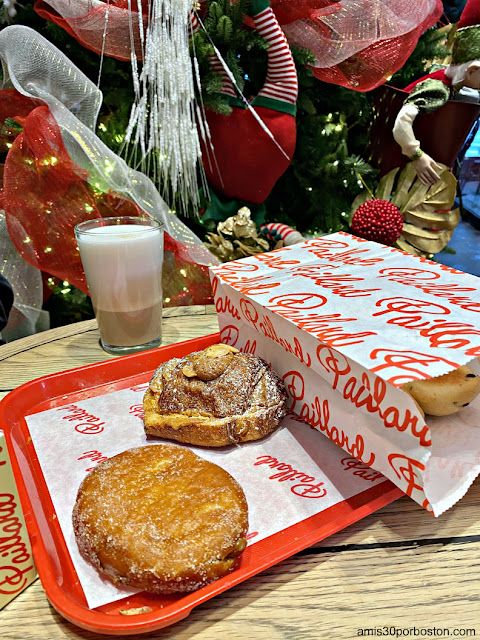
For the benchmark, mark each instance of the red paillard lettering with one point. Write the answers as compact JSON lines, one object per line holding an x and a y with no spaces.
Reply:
{"x":317,"y":414}
{"x":229,"y":335}
{"x":407,"y":312}
{"x":319,"y":326}
{"x":303,"y":301}
{"x":88,"y":424}
{"x":413,"y":363}
{"x":332,"y":250}
{"x":361,"y":394}
{"x":453,"y":335}
{"x":360,"y":470}
{"x":139,"y":387}
{"x":273,"y":259}
{"x":422,"y":279}
{"x":327,"y":328}
{"x":224,"y":305}
{"x":94,"y":456}
{"x":305,"y":486}
{"x":13,"y":551}
{"x":250,"y":285}
{"x":338,"y":284}
{"x":264,"y":325}
{"x":295,"y":385}
{"x":333,"y":362}
{"x":235,"y":267}
{"x":136,"y":410}
{"x":13,"y":579}
{"x":410,"y":314}
{"x":423,"y":260}
{"x":250,"y":347}
{"x":355,"y":238}
{"x":407,"y":468}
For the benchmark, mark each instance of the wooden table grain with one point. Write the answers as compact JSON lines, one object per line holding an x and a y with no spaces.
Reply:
{"x":398,"y":571}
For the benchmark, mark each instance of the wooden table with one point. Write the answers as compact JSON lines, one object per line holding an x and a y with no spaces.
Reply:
{"x":399,"y":567}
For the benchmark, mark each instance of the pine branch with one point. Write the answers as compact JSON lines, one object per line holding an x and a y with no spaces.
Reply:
{"x":430,"y":46}
{"x":224,"y":30}
{"x":234,"y":66}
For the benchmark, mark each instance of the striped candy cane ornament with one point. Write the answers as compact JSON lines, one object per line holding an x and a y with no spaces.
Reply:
{"x":278,"y":231}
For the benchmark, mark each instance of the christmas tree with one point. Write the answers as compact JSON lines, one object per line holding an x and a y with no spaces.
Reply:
{"x":329,"y":167}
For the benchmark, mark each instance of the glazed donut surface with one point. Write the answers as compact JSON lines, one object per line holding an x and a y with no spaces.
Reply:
{"x":161,"y":519}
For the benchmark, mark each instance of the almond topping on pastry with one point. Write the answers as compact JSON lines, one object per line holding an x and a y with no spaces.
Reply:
{"x":216,"y":350}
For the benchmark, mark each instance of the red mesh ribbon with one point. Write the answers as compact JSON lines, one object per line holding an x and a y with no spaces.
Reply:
{"x":46,"y":194}
{"x":287,"y":11}
{"x":373,"y":66}
{"x":306,"y":24}
{"x":376,"y":56}
{"x":12,"y":103}
{"x":88,"y":26}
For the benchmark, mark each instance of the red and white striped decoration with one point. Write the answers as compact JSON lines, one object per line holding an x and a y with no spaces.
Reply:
{"x":281,"y":82}
{"x":227,"y":85}
{"x":277,"y":230}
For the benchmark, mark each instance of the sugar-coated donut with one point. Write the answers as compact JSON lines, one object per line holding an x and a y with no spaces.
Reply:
{"x":214,"y":398}
{"x":161,"y":519}
{"x":447,"y":394}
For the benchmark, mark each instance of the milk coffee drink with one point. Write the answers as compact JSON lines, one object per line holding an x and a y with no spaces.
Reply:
{"x":123,"y":268}
{"x":130,"y":328}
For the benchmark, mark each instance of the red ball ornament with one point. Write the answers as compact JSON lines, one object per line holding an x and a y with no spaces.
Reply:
{"x":378,"y":220}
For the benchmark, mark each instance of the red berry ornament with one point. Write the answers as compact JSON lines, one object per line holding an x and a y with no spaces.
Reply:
{"x":378,"y":220}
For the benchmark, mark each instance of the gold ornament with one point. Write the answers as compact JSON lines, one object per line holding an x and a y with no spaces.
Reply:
{"x":237,"y":237}
{"x":429,"y":221}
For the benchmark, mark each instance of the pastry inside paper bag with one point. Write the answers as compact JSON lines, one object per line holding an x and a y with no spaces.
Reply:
{"x":447,"y":394}
{"x":213,"y":398}
{"x":161,"y":519}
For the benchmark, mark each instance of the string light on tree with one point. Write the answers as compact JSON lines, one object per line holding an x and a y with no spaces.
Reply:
{"x":10,"y":9}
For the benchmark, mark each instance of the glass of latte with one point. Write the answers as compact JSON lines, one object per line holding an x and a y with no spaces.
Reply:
{"x":122,"y":259}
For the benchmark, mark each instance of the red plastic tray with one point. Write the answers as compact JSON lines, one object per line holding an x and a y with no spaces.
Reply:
{"x":53,"y":561}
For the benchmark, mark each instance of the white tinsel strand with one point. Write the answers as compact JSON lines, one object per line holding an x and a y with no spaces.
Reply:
{"x":167,"y":127}
{"x":104,"y":38}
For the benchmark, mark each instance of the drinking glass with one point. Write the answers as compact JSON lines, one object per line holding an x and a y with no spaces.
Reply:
{"x":122,"y":258}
